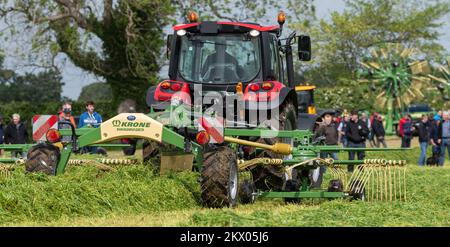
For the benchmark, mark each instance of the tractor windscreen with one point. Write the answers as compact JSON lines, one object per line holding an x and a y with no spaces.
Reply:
{"x":222,"y":59}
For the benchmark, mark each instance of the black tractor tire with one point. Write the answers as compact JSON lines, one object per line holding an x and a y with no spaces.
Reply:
{"x":247,"y":192}
{"x":270,"y":177}
{"x":43,"y":158}
{"x":357,"y":193}
{"x":219,"y":178}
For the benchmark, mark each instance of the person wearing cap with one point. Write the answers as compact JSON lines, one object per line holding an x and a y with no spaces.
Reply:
{"x":444,"y":136}
{"x":356,"y":133}
{"x":2,"y":133}
{"x":327,"y":128}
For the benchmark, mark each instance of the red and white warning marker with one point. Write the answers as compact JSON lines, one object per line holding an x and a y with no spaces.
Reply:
{"x":213,"y":126}
{"x":41,"y":124}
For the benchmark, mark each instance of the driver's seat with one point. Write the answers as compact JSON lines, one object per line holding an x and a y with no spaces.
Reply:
{"x":211,"y":62}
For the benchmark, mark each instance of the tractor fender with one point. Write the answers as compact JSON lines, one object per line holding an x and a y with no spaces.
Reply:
{"x":284,"y":95}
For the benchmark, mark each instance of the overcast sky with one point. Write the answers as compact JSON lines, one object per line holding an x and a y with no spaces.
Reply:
{"x":75,"y":78}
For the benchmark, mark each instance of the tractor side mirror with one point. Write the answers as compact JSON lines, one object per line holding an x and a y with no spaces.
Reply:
{"x":169,"y":45}
{"x":304,"y":48}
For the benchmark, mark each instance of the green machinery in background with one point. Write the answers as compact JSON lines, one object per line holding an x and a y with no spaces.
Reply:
{"x":398,"y":80}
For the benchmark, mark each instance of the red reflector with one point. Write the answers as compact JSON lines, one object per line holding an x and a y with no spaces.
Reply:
{"x":202,"y":138}
{"x":267,"y":86}
{"x":175,"y":87}
{"x":254,"y":87}
{"x":53,"y":135}
{"x":165,"y":85}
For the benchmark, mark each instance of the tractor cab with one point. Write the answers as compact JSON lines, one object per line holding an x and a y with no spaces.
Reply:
{"x":230,"y":58}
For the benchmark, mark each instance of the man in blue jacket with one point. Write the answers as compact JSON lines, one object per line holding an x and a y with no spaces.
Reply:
{"x":90,"y":119}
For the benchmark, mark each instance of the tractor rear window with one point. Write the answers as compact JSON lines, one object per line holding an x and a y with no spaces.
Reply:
{"x":219,"y":59}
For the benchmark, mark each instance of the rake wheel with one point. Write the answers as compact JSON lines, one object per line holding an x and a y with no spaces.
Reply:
{"x":42,"y":158}
{"x":219,"y":178}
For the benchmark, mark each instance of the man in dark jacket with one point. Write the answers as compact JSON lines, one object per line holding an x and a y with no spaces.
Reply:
{"x":423,"y":129}
{"x":378,"y":131}
{"x":16,"y":132}
{"x":444,"y":136}
{"x":328,"y":130}
{"x":357,"y":133}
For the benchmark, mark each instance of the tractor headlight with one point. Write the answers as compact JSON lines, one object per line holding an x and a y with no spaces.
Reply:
{"x":254,"y":33}
{"x":181,"y":32}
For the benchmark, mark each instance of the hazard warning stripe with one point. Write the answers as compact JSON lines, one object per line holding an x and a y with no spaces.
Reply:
{"x":212,"y":131}
{"x":45,"y":122}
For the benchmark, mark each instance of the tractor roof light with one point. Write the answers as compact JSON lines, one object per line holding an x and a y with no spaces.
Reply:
{"x":281,"y":18}
{"x":192,"y":16}
{"x":181,"y":32}
{"x":202,"y":137}
{"x":53,"y":135}
{"x":165,"y":85}
{"x":254,"y":33}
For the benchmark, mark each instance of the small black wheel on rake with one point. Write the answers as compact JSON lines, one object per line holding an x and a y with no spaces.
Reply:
{"x":357,"y":192}
{"x":43,"y":158}
{"x":247,"y":192}
{"x":292,"y":186}
{"x":336,"y":185}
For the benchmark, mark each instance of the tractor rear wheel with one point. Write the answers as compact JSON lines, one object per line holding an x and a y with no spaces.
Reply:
{"x":43,"y":158}
{"x":219,"y":178}
{"x":270,"y":176}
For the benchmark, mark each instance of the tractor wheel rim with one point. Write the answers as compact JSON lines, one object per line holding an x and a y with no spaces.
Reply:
{"x":233,"y":182}
{"x":316,"y":174}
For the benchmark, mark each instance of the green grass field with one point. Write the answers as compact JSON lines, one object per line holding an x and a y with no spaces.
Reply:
{"x":134,"y":196}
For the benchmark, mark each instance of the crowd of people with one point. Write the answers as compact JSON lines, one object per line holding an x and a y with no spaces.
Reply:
{"x":16,"y":131}
{"x":356,"y":130}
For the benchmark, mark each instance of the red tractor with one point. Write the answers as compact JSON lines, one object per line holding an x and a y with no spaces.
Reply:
{"x":229,"y":59}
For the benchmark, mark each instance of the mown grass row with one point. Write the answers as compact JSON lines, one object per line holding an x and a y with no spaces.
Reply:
{"x":86,"y":191}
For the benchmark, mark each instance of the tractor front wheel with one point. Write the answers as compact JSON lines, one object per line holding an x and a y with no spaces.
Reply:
{"x":219,"y":178}
{"x":43,"y":158}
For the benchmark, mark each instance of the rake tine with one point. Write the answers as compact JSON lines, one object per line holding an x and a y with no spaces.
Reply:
{"x":394,"y":182}
{"x":404,"y":181}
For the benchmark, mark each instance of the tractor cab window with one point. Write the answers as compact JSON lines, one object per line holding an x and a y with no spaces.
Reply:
{"x":219,"y":59}
{"x":274,"y":59}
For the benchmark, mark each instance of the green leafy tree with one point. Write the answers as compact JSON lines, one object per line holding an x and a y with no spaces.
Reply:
{"x":98,"y":91}
{"x":340,"y":43}
{"x":44,"y":86}
{"x":121,"y":41}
